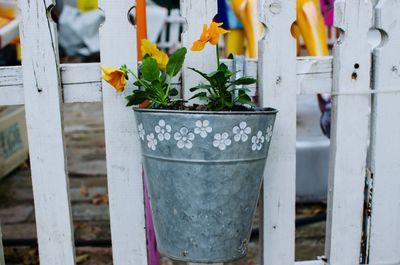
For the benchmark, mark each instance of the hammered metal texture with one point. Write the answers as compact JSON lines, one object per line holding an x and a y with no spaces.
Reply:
{"x":204,"y":193}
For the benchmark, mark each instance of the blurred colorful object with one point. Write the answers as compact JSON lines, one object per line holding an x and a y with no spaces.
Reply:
{"x":247,"y":12}
{"x":9,"y":25}
{"x":311,"y":26}
{"x":227,"y":16}
{"x":141,"y":24}
{"x":240,"y":16}
{"x":87,"y":5}
{"x":327,"y":11}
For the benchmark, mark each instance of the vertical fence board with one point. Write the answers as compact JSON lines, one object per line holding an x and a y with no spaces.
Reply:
{"x":350,"y":132}
{"x":124,"y":164}
{"x":277,"y":88}
{"x":2,"y":262}
{"x":41,"y":79}
{"x":385,"y":144}
{"x":196,"y":14}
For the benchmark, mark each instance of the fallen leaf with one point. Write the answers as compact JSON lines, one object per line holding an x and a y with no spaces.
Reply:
{"x":100,"y":199}
{"x":82,"y":258}
{"x":84,"y":191}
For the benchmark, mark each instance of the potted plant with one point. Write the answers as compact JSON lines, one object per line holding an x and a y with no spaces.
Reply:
{"x":204,"y":163}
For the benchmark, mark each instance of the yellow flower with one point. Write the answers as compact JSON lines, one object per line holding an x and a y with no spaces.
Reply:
{"x":115,"y":77}
{"x":210,"y":34}
{"x":152,"y":50}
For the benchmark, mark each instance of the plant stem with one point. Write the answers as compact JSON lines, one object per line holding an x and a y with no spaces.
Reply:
{"x":217,"y":47}
{"x":137,"y":78}
{"x":168,"y":88}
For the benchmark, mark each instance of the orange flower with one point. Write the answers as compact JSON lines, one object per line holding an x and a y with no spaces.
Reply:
{"x":210,"y":34}
{"x":115,"y":77}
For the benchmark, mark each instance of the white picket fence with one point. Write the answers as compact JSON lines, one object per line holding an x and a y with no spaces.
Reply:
{"x":365,"y":127}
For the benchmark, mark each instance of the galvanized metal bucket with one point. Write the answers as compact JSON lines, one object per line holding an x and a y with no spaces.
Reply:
{"x":204,"y":171}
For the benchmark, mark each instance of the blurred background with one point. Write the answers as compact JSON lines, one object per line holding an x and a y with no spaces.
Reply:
{"x":159,"y":21}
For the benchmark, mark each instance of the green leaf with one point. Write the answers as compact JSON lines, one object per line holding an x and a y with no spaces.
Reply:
{"x":150,"y":69}
{"x":201,"y":86}
{"x":244,"y":99}
{"x":137,"y":97}
{"x":244,"y":81}
{"x":200,"y":73}
{"x":175,"y":62}
{"x":201,"y":96}
{"x":173,"y":92}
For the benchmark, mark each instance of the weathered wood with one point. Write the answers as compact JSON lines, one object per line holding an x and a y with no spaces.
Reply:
{"x":314,"y":75}
{"x":2,"y":262}
{"x":124,"y":164}
{"x":81,"y":82}
{"x":350,"y":132}
{"x":41,"y":80}
{"x":203,"y":263}
{"x":196,"y":14}
{"x":13,"y":139}
{"x":277,"y":89}
{"x":310,"y":262}
{"x":385,"y":143}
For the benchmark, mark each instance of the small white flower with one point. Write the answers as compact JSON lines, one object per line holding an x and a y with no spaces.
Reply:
{"x":184,"y":138}
{"x":202,"y":128}
{"x":257,"y":141}
{"x":141,"y":131}
{"x":241,"y":132}
{"x":151,"y":141}
{"x":268,"y":134}
{"x":221,"y":141}
{"x":163,"y":131}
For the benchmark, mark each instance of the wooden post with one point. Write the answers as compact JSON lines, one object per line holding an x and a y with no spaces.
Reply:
{"x":385,"y":144}
{"x":41,"y":79}
{"x":350,"y":132}
{"x":277,"y":88}
{"x":124,"y":163}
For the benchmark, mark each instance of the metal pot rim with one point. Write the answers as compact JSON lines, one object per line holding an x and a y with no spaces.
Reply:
{"x":256,"y":112}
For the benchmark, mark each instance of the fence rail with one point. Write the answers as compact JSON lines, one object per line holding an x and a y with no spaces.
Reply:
{"x":363,"y":126}
{"x":314,"y":76}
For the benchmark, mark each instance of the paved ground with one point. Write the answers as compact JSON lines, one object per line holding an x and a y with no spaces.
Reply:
{"x":86,"y":161}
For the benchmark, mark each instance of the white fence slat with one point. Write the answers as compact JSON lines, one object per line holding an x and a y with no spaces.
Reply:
{"x":385,"y":144}
{"x":350,"y":132}
{"x":41,"y":79}
{"x":81,"y":82}
{"x":124,"y":164}
{"x":2,"y":262}
{"x":277,"y":88}
{"x":196,"y":14}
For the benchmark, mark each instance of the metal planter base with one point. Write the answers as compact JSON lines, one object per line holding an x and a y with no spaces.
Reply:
{"x":204,"y":171}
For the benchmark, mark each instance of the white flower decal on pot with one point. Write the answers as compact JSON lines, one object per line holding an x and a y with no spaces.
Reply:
{"x":258,"y":141}
{"x":268,"y":134}
{"x":141,"y":131}
{"x":184,"y":138}
{"x":202,"y":128}
{"x":241,"y":132}
{"x":151,"y":141}
{"x":221,"y":141}
{"x":163,"y":131}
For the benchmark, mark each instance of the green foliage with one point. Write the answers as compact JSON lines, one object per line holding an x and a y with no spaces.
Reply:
{"x":221,"y":92}
{"x":155,"y":85}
